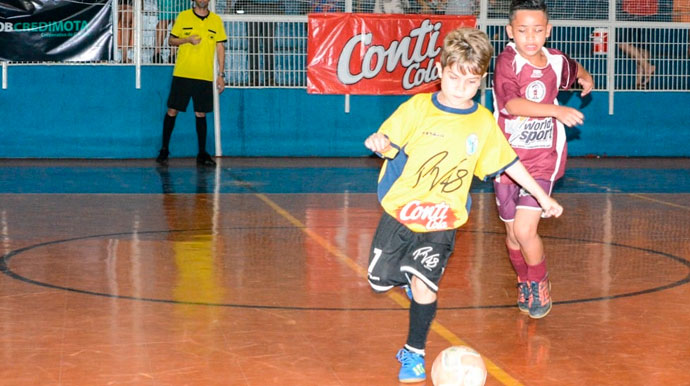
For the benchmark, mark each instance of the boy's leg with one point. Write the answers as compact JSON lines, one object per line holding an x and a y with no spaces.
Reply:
{"x":517,"y":260}
{"x":507,"y":197}
{"x":424,"y":262}
{"x":396,"y":254}
{"x":383,"y":273}
{"x":525,"y":230}
{"x":411,"y":357}
{"x":422,"y":313}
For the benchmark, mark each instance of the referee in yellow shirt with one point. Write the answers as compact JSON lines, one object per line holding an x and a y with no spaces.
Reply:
{"x":199,"y":34}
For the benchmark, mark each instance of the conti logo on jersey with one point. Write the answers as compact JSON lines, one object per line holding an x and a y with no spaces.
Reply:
{"x":429,"y":215}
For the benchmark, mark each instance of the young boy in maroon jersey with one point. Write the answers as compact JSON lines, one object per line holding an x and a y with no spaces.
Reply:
{"x":527,"y":78}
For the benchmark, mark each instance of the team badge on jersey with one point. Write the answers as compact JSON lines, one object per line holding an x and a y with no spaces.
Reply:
{"x":471,"y":144}
{"x":535,"y":91}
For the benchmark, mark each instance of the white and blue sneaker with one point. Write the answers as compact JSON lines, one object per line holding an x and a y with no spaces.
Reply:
{"x":408,"y":291}
{"x":413,"y":367}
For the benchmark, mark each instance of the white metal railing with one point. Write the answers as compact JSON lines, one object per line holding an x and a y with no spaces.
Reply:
{"x":270,"y":50}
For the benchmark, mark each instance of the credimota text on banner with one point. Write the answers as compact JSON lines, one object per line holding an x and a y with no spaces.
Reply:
{"x":68,"y":27}
{"x":56,"y":31}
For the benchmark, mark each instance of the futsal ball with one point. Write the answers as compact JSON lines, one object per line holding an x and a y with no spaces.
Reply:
{"x":458,"y":366}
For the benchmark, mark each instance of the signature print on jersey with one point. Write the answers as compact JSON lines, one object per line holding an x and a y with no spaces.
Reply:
{"x":430,"y":171}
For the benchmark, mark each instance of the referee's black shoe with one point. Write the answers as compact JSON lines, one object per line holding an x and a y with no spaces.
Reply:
{"x":204,"y":159}
{"x":162,"y":158}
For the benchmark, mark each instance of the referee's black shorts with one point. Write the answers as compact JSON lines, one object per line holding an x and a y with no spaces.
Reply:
{"x":200,"y":91}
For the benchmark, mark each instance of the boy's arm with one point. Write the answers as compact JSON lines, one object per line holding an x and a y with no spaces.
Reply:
{"x":520,"y":175}
{"x":386,"y":141}
{"x":584,"y":78}
{"x":526,"y":108}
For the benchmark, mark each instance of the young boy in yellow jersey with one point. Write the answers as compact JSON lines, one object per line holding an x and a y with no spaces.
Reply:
{"x":432,"y":145}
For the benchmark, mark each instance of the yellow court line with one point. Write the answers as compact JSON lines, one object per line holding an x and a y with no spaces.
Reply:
{"x":658,"y":201}
{"x":637,"y":195}
{"x":446,"y":334}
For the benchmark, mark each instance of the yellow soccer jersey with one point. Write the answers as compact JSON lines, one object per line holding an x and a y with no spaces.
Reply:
{"x":425,"y":181}
{"x":196,"y":61}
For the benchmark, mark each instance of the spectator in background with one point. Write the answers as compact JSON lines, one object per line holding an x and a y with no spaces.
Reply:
{"x":498,"y":9}
{"x":391,"y":6}
{"x":260,"y":39}
{"x":681,"y":11}
{"x":431,"y":6}
{"x":633,"y":41}
{"x":167,"y":10}
{"x":327,"y":6}
{"x":296,"y":7}
{"x":124,"y":21}
{"x":681,"y":14}
{"x":448,"y":7}
{"x":461,"y":7}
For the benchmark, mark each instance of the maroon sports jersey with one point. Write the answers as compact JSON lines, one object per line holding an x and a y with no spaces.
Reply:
{"x":539,"y":142}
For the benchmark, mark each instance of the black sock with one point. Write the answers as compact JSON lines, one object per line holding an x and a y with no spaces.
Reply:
{"x":201,"y":134}
{"x":421,"y":316}
{"x":168,"y":126}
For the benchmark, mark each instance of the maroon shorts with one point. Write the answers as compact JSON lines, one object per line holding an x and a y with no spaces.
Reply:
{"x":510,"y":197}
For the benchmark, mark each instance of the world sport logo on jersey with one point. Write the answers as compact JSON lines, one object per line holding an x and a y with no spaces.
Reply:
{"x":531,"y":133}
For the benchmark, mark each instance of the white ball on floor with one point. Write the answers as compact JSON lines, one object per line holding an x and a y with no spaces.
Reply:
{"x":458,"y":366}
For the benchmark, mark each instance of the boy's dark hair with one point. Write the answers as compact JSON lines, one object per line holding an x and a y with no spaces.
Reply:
{"x":528,"y":5}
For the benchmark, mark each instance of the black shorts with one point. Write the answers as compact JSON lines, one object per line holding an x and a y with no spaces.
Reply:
{"x":200,"y":91}
{"x":397,"y":253}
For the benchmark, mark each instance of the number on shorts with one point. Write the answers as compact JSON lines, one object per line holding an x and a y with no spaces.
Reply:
{"x":377,"y":255}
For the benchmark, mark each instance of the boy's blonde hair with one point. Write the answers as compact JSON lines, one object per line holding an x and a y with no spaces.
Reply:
{"x":467,"y":48}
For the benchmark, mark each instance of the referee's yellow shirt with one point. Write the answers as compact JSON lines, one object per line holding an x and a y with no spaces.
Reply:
{"x":196,"y":61}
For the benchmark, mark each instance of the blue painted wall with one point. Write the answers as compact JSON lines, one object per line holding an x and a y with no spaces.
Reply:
{"x":96,"y":112}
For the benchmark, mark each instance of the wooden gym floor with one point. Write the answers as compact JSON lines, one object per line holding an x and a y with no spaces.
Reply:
{"x":253,"y":273}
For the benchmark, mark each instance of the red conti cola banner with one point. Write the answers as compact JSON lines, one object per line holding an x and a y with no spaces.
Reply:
{"x":352,"y":53}
{"x":56,"y":30}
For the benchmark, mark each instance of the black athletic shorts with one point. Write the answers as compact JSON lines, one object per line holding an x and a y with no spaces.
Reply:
{"x":200,"y":91}
{"x":397,"y":253}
